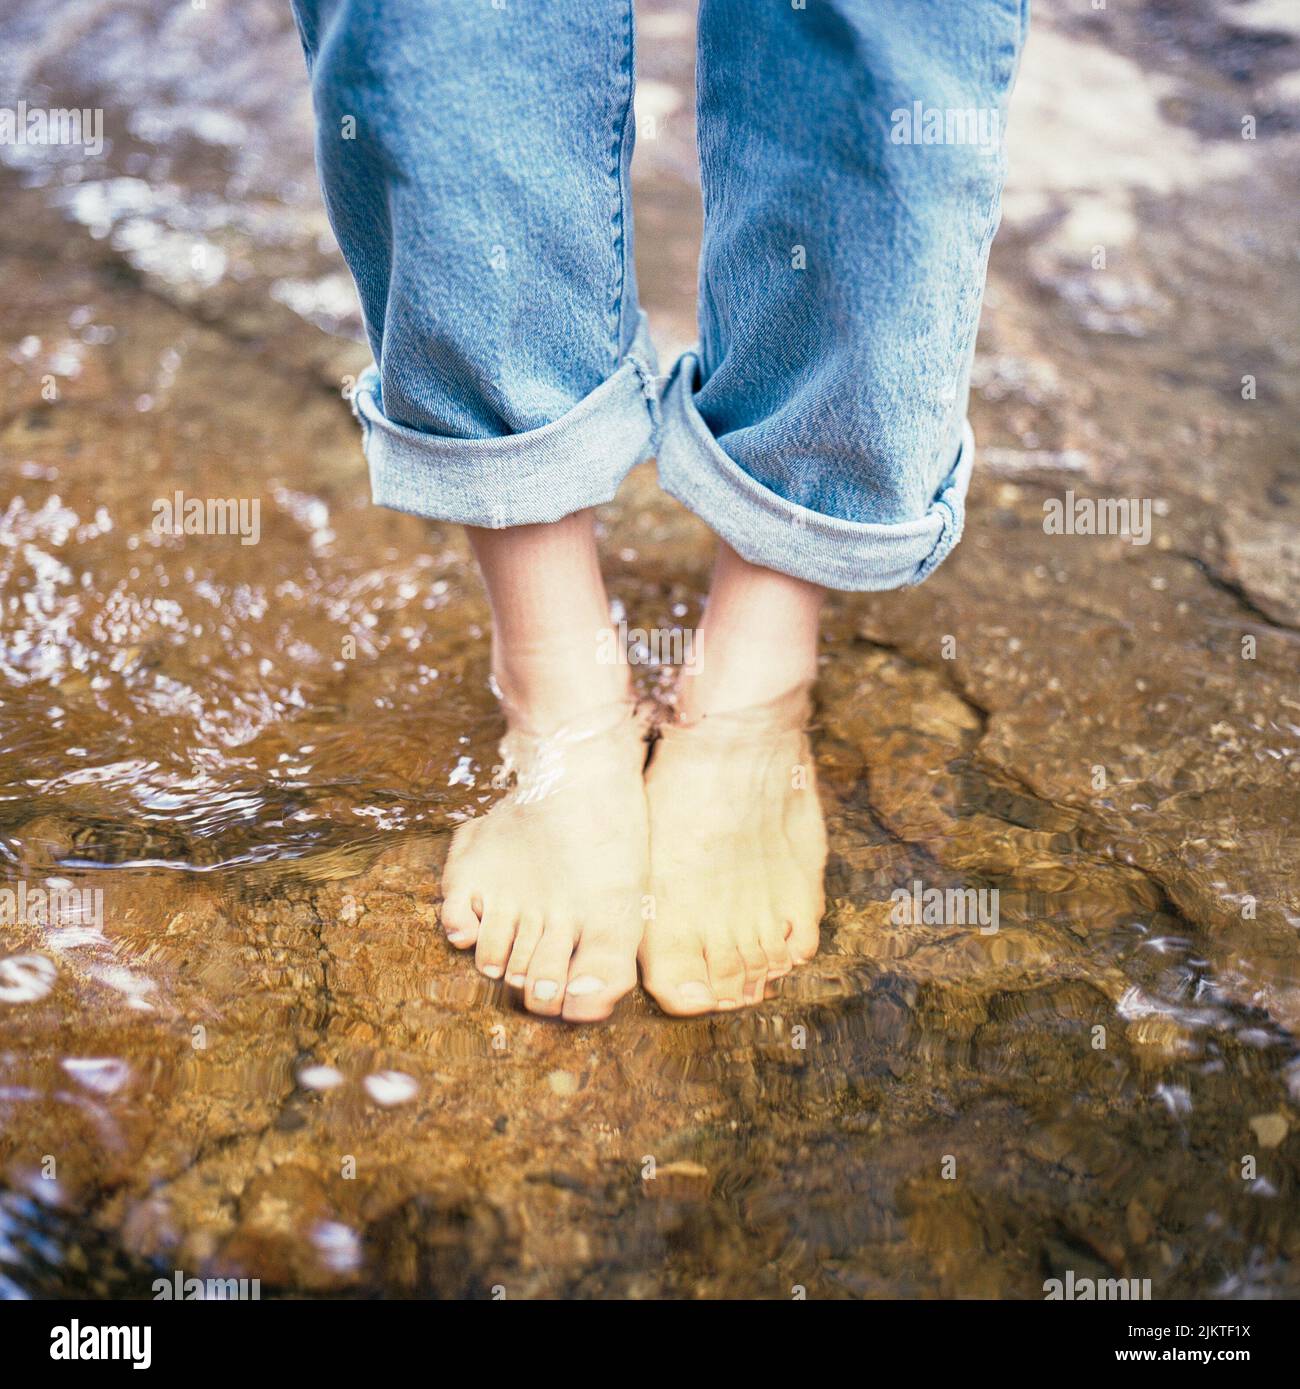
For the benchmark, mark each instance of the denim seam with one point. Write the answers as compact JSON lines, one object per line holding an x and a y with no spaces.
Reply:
{"x":650,"y":387}
{"x":705,"y":312}
{"x":949,"y":504}
{"x":620,"y":208}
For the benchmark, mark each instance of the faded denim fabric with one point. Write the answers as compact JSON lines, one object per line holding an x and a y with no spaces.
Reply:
{"x":474,"y":161}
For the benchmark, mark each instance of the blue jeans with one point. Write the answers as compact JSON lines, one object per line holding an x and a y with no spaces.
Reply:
{"x":474,"y":157}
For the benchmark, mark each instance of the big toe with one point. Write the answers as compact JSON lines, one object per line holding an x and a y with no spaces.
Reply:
{"x":603,"y":969}
{"x":459,"y":919}
{"x":676,"y":976}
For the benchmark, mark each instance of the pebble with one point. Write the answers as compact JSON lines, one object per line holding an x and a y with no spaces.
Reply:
{"x":391,"y":1087}
{"x":25,"y":978}
{"x":678,"y":1181}
{"x":1140,"y":1225}
{"x":1270,"y":1129}
{"x":319,"y":1078}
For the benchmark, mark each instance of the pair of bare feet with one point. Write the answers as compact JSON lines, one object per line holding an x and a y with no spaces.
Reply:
{"x":704,"y":864}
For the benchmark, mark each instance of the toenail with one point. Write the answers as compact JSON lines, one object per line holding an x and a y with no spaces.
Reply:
{"x":585,"y":984}
{"x":492,"y":971}
{"x":457,"y":937}
{"x":727,"y":1003}
{"x":545,"y":990}
{"x":516,"y":981}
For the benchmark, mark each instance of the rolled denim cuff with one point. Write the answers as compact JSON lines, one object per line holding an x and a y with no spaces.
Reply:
{"x":766,"y":529}
{"x":540,"y":475}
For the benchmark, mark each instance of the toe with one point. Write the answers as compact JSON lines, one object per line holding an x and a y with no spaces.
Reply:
{"x":549,"y":969}
{"x":527,"y":935}
{"x":677,"y":977}
{"x":495,"y":938}
{"x":460,"y":920}
{"x":727,"y":976}
{"x":754,"y":962}
{"x":603,"y":969}
{"x":777,"y":949}
{"x":803,"y":937}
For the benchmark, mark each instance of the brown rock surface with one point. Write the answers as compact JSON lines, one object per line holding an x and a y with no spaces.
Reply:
{"x":267,"y":1064}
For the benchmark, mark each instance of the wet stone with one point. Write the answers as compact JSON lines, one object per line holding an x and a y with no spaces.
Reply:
{"x":260,"y":1059}
{"x":677,"y":1181}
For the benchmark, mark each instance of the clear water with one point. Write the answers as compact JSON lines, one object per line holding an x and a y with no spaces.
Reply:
{"x":247,"y":1051}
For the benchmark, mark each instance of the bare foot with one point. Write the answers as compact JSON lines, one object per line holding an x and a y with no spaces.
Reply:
{"x":737,"y":852}
{"x":549,"y":885}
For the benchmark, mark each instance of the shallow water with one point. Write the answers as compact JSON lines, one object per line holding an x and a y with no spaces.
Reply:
{"x":251,"y":1055}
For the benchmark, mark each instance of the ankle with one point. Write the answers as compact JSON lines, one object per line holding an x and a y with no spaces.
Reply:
{"x":545,"y":685}
{"x":762,"y":697}
{"x":758,"y":640}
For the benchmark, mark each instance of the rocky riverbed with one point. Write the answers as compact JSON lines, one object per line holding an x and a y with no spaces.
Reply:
{"x":251,"y":1054}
